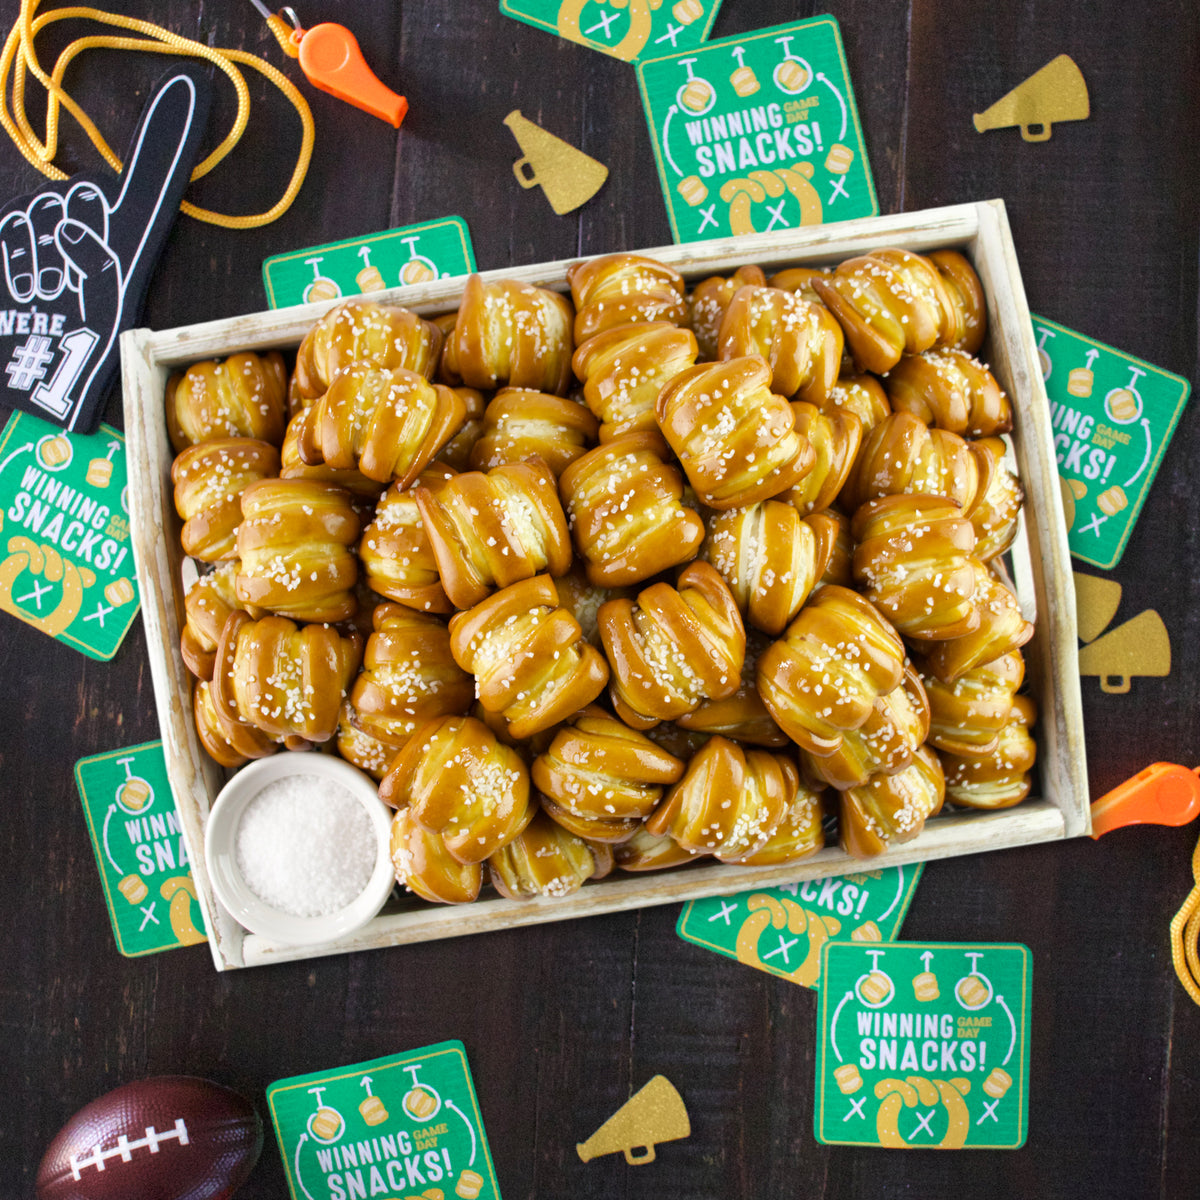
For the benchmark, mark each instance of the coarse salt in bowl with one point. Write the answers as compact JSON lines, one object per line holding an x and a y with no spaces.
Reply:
{"x":298,"y":848}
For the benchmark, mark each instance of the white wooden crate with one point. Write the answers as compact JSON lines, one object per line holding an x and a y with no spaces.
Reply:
{"x":1041,"y":569}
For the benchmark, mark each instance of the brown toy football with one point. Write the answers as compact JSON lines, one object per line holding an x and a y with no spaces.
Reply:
{"x":163,"y":1138}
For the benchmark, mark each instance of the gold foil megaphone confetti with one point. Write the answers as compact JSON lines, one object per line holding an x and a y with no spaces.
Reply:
{"x":567,"y":176}
{"x":1055,"y":93}
{"x":1096,"y":603}
{"x":1139,"y":647}
{"x":655,"y":1114}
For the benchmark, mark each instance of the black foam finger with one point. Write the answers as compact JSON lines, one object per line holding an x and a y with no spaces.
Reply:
{"x":159,"y":165}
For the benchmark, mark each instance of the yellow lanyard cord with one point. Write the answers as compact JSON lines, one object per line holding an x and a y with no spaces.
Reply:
{"x":1185,"y":929}
{"x":19,"y":56}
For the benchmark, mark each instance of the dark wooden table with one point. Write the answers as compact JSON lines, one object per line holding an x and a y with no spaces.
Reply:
{"x":562,"y":1022}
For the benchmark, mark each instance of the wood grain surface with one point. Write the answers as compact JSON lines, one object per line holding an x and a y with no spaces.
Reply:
{"x":562,"y":1022}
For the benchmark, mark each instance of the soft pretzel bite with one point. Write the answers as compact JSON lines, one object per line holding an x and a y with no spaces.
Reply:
{"x":231,"y":743}
{"x":799,"y":280}
{"x":673,"y":647}
{"x":646,"y":852}
{"x":529,"y":657}
{"x":969,"y":325}
{"x":599,"y":769}
{"x":387,"y":423}
{"x":511,"y":334}
{"x":244,"y":396}
{"x":292,"y":466}
{"x":742,"y":716}
{"x":609,"y":831}
{"x":370,"y":754}
{"x":798,"y":338}
{"x":462,"y":783}
{"x":456,"y":453}
{"x":729,"y":801}
{"x":710,"y":298}
{"x":889,"y":303}
{"x":424,"y":865}
{"x":624,"y":504}
{"x":950,"y":389}
{"x":621,"y":289}
{"x":736,"y":441}
{"x":397,"y":559}
{"x":995,"y":516}
{"x":883,"y":744}
{"x":770,"y":557}
{"x":798,"y":835}
{"x":835,"y":437}
{"x":408,"y":676}
{"x":966,"y":716}
{"x":362,"y":331}
{"x":914,"y":562}
{"x":286,"y":680}
{"x":996,"y":778}
{"x":491,"y":530}
{"x":891,"y":809}
{"x":209,"y":480}
{"x":1001,"y":629}
{"x":862,"y":395}
{"x":519,"y":423}
{"x":903,"y":455}
{"x":624,"y":368}
{"x":822,"y":678}
{"x":295,"y":547}
{"x":208,"y":603}
{"x":546,"y":860}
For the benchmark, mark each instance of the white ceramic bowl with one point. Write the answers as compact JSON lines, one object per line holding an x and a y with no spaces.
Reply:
{"x":220,"y":839}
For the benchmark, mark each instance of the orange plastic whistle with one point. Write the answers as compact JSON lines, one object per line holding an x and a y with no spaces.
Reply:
{"x":330,"y":57}
{"x":1162,"y":794}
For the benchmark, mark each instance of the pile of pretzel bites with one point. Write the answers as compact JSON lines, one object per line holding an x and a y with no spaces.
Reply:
{"x":623,"y":580}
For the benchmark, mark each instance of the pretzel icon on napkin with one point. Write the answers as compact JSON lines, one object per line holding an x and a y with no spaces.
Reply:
{"x":76,"y":256}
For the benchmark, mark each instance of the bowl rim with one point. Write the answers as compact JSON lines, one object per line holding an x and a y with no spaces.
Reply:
{"x":233,"y":892}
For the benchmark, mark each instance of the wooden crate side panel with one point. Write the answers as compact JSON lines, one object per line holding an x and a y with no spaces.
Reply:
{"x":1053,"y":655}
{"x":944,"y":837}
{"x":195,"y":778}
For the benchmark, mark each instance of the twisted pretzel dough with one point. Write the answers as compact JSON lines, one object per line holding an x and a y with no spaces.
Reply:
{"x":729,"y":801}
{"x":529,"y":658}
{"x":891,"y":809}
{"x":673,"y":647}
{"x":624,"y":368}
{"x":387,"y":423}
{"x":622,"y":289}
{"x":362,"y":331}
{"x":822,"y":678}
{"x":624,"y":504}
{"x":511,"y":334}
{"x":460,"y":782}
{"x":294,"y":544}
{"x":491,"y":530}
{"x":209,"y":479}
{"x":735,"y":440}
{"x":240,"y":397}
{"x":799,"y":339}
{"x":519,"y":423}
